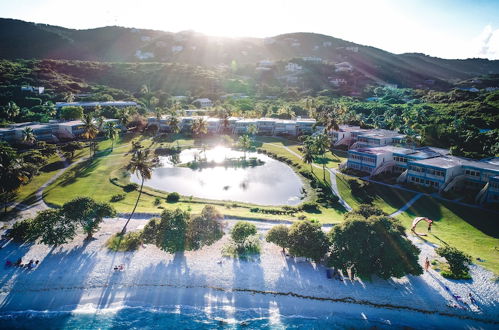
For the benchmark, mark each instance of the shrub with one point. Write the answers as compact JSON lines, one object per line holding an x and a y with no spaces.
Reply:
{"x":334,"y":199}
{"x":173,"y":197}
{"x":22,"y":231}
{"x":117,"y":197}
{"x":310,"y":207}
{"x":157,"y":201}
{"x":242,"y":230}
{"x":249,"y":246}
{"x":279,"y":235}
{"x":129,"y":242}
{"x":130,"y":187}
{"x":365,"y":211}
{"x":458,"y":262}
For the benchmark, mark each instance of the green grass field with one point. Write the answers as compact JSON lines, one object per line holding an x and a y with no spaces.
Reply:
{"x":91,"y":178}
{"x":469,"y":229}
{"x":472,"y":230}
{"x":386,"y":198}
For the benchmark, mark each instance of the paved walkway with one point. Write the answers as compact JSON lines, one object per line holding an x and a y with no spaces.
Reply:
{"x":406,"y":206}
{"x":332,"y":176}
{"x":27,"y":211}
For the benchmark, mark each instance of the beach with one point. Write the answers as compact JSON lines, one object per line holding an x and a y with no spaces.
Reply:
{"x":79,"y":277}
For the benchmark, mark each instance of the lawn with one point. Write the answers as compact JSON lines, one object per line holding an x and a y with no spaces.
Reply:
{"x":91,"y":178}
{"x":472,"y":230}
{"x":26,"y":193}
{"x":386,"y":198}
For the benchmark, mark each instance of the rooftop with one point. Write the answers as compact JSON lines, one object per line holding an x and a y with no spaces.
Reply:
{"x":71,"y":123}
{"x":428,"y":152}
{"x":96,"y":103}
{"x":381,"y":133}
{"x":383,"y":150}
{"x":453,"y":161}
{"x":349,"y":128}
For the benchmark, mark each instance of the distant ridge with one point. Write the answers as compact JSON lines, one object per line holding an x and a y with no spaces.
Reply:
{"x":24,"y":40}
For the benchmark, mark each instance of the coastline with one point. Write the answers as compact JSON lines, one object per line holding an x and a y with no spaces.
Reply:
{"x":225,"y":305}
{"x":78,"y":277}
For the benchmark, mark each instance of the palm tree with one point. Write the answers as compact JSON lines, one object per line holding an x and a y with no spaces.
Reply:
{"x":141,"y":164}
{"x":308,"y":156}
{"x":252,"y":130}
{"x":310,"y":106}
{"x":123,"y":116}
{"x":159,"y":112}
{"x":199,"y":126}
{"x":100,"y":120}
{"x":13,"y":172}
{"x":322,"y":143}
{"x":29,"y":135}
{"x":174,"y":124}
{"x":90,"y":130}
{"x":112,"y":132}
{"x":12,"y":110}
{"x":244,"y":143}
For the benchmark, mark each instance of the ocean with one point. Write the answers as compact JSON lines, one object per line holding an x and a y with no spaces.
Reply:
{"x":174,"y":318}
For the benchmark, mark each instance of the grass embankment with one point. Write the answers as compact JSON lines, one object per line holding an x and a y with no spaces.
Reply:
{"x":386,"y":198}
{"x":472,"y":230}
{"x":469,"y":229}
{"x":92,"y":178}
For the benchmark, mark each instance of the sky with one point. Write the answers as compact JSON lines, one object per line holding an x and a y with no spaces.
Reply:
{"x":443,"y":28}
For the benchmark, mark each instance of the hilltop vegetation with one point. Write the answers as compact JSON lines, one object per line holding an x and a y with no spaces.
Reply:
{"x":24,"y":40}
{"x":462,"y":120}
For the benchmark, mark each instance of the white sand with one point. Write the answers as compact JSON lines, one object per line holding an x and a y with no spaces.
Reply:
{"x":81,"y":276}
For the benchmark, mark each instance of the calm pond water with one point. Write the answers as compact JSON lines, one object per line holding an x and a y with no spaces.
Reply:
{"x":273,"y":183}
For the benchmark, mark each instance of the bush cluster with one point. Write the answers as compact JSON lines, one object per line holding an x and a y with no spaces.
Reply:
{"x":458,"y":262}
{"x":117,"y":197}
{"x":129,"y":242}
{"x":130,"y":187}
{"x":173,"y":197}
{"x":244,"y":241}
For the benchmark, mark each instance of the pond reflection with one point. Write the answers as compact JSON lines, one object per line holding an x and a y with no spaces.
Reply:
{"x":273,"y":183}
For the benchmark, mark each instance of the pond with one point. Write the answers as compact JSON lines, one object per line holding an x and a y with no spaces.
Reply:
{"x":273,"y":183}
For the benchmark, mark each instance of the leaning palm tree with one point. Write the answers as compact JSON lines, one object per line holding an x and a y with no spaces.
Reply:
{"x":141,"y":165}
{"x":90,"y":130}
{"x":199,"y":126}
{"x":29,"y":135}
{"x":112,"y":132}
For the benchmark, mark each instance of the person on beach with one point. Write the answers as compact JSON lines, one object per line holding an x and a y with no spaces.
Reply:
{"x":473,"y":301}
{"x":426,"y":264}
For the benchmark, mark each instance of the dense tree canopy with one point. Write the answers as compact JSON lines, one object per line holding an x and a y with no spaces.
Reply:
{"x":306,"y":239}
{"x":374,"y":246}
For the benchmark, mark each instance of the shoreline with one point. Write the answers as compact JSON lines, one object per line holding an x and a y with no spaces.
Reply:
{"x":79,"y":276}
{"x":225,"y":304}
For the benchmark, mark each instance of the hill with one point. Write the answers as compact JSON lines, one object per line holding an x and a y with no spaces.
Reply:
{"x":24,"y":40}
